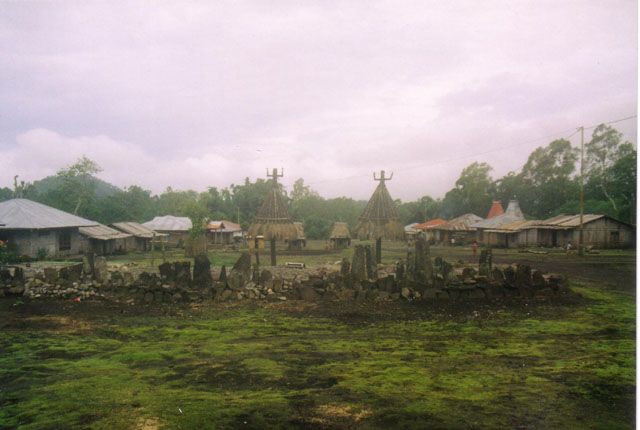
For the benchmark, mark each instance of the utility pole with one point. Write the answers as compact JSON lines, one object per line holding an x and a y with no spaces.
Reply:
{"x":581,"y":246}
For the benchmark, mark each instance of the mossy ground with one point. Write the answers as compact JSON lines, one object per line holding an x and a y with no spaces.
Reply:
{"x":557,"y":364}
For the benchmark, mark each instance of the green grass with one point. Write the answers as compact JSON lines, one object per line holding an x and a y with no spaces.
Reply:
{"x":553,"y":367}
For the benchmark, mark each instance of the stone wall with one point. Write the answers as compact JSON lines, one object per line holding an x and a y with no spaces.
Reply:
{"x":416,"y":278}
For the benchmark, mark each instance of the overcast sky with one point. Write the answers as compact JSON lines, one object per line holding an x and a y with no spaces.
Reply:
{"x":198,"y":94}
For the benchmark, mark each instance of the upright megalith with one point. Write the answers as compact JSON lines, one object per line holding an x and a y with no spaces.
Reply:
{"x":202,"y":271}
{"x":100,"y":272}
{"x":372,"y":267}
{"x":345,"y":267}
{"x":485,"y":263}
{"x":243,"y":265}
{"x":363,"y":265}
{"x":358,"y":264}
{"x":182,"y":273}
{"x":166,"y":272}
{"x":419,"y":268}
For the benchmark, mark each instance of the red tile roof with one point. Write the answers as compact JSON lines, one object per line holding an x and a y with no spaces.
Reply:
{"x":496,"y":209}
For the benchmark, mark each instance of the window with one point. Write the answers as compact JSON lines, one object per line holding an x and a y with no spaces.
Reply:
{"x":42,"y":233}
{"x":64,"y":239}
{"x":615,"y":236}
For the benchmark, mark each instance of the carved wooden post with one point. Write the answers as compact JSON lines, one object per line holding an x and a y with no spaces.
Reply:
{"x":381,"y":179}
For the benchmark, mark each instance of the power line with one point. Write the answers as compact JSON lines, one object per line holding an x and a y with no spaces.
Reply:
{"x":476,"y":154}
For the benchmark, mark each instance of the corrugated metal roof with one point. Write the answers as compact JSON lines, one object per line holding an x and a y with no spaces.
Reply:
{"x":462,"y":223}
{"x":102,"y":232}
{"x":27,"y":214}
{"x":134,"y":228}
{"x":410,"y":227}
{"x":512,"y":214}
{"x":169,"y":223}
{"x":515,"y":226}
{"x":430,"y":224}
{"x":569,"y":221}
{"x":223,"y":226}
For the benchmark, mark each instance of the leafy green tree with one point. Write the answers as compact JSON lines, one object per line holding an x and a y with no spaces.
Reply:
{"x":420,"y":210}
{"x":74,"y":189}
{"x":198,"y":214}
{"x":472,"y":193}
{"x":6,"y":194}
{"x":547,"y":178}
{"x":131,"y":204}
{"x":300,"y":191}
{"x":176,"y":203}
{"x":316,"y":227}
{"x":603,"y":152}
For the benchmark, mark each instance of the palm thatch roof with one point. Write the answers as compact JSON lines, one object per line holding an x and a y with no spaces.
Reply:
{"x":300,"y":229}
{"x":340,"y":231}
{"x":380,"y":219}
{"x":273,"y":220}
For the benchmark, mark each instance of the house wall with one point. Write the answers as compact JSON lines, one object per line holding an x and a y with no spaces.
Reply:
{"x":28,"y":242}
{"x":174,"y":237}
{"x":604,"y":233}
{"x":220,"y":237}
{"x":339,"y":243}
{"x":526,"y":238}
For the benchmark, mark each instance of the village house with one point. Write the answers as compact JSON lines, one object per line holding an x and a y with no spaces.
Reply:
{"x":599,"y":231}
{"x":103,"y":240}
{"x":141,"y":236}
{"x":426,"y":229}
{"x":176,"y":228}
{"x":34,"y":229}
{"x":491,"y":232}
{"x":223,"y":232}
{"x":340,"y":237}
{"x":458,"y":228}
{"x":301,"y":240}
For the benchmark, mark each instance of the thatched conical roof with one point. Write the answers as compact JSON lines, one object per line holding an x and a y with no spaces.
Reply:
{"x":273,"y":220}
{"x":380,"y":218}
{"x":300,"y":229}
{"x":340,"y":231}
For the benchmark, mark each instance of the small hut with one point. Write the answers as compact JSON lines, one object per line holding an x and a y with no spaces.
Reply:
{"x":300,"y":241}
{"x":379,"y":219}
{"x":273,"y":221}
{"x":340,"y":237}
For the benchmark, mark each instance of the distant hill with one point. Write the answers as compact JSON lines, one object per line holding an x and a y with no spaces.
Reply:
{"x":103,"y":189}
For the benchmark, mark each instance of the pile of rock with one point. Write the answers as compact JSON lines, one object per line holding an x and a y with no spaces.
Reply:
{"x":416,"y":278}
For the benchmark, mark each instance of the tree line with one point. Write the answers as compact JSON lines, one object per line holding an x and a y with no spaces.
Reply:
{"x":547,"y":185}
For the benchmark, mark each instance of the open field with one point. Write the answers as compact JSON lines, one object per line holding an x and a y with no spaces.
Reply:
{"x":566,"y":363}
{"x":613,"y":269}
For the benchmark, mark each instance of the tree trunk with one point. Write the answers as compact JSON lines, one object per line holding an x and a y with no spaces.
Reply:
{"x":379,"y":250}
{"x":273,"y":252}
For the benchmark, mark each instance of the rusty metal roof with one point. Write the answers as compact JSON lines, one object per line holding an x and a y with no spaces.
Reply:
{"x":136,"y":229}
{"x":569,"y":221}
{"x":223,"y":226}
{"x":515,"y":226}
{"x":102,"y":232}
{"x":430,"y":224}
{"x":462,"y":223}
